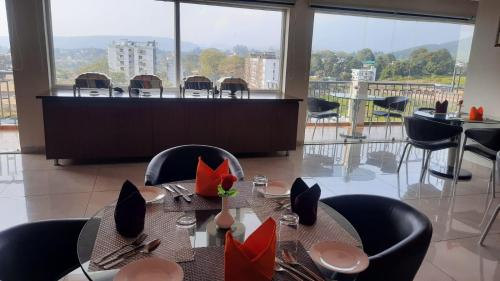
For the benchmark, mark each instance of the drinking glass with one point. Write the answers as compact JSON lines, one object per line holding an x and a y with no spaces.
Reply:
{"x":259,"y":185}
{"x":288,"y":232}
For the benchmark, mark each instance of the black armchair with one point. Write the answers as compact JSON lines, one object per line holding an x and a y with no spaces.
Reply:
{"x":395,"y":108}
{"x":44,"y":250}
{"x":321,"y":109}
{"x":179,"y":163}
{"x":486,"y":143}
{"x":395,"y":236}
{"x":430,"y":136}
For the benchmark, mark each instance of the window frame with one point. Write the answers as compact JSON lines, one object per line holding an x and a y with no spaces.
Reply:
{"x":177,"y":39}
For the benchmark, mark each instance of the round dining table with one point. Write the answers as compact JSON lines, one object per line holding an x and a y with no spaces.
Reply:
{"x":202,"y":235}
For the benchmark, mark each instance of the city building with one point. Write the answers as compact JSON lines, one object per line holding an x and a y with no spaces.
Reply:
{"x":367,"y":73}
{"x":262,"y":70}
{"x":132,"y":58}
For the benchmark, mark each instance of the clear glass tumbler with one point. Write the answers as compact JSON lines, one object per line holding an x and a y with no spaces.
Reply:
{"x":288,"y":232}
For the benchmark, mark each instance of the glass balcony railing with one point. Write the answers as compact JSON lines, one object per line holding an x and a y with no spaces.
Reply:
{"x":8,"y":111}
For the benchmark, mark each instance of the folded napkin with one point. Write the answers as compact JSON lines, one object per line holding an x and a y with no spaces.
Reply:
{"x":442,"y":107}
{"x":130,"y":211}
{"x":476,"y":114}
{"x":254,"y":259}
{"x":208,"y":179}
{"x":304,"y":201}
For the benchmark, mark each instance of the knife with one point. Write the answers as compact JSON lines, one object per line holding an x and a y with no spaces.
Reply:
{"x":174,"y":194}
{"x":189,"y":193}
{"x":182,"y":194}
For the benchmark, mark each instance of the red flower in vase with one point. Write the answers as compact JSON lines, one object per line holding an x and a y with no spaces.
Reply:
{"x":227,"y":181}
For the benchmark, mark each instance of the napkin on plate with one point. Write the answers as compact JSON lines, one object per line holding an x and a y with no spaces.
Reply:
{"x":476,"y":114}
{"x":442,"y":107}
{"x":130,"y":211}
{"x":254,"y":259}
{"x":208,"y":179}
{"x":304,"y":201}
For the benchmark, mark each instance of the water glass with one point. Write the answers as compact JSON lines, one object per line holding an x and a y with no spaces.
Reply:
{"x":259,"y":182}
{"x":288,"y":232}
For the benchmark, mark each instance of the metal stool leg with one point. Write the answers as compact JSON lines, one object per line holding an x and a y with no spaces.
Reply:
{"x":493,"y":179}
{"x":314,"y":130}
{"x":337,"y":128}
{"x":403,"y":156}
{"x":426,"y":165}
{"x":370,"y":125}
{"x":488,"y":227}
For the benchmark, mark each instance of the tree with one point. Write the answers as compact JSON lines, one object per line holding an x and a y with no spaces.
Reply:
{"x":440,"y":63}
{"x":232,"y":66}
{"x":365,"y":55}
{"x":99,"y":65}
{"x":210,"y":59}
{"x":381,"y":62}
{"x":191,"y":63}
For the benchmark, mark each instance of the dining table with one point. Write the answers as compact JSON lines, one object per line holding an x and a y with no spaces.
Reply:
{"x":355,"y":103}
{"x":199,"y":248}
{"x":457,"y":120}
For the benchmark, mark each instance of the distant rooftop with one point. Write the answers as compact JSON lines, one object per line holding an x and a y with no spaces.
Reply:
{"x":263,"y":55}
{"x":126,"y":42}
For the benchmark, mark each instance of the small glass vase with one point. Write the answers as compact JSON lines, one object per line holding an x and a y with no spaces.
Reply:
{"x":224,"y":219}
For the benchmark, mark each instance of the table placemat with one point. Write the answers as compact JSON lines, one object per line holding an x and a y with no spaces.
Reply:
{"x":175,"y":243}
{"x":209,"y":264}
{"x":208,"y":203}
{"x":325,"y":228}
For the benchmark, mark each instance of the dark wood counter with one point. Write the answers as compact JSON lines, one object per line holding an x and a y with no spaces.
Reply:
{"x":109,"y":127}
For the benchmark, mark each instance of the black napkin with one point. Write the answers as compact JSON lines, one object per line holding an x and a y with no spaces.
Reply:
{"x":130,"y":211}
{"x":441,"y":107}
{"x":305,"y":201}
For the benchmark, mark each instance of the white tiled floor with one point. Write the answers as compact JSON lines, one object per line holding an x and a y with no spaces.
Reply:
{"x":31,"y":188}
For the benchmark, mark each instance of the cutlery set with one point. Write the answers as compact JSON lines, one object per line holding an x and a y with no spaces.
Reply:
{"x":135,"y":247}
{"x":287,"y":264}
{"x":178,"y":190}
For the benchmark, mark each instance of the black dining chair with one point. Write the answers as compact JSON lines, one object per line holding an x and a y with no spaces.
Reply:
{"x":320,"y":110}
{"x":485,"y":143}
{"x":43,"y":250}
{"x":430,"y":136}
{"x":394,"y":108}
{"x":395,"y":236}
{"x":180,"y":163}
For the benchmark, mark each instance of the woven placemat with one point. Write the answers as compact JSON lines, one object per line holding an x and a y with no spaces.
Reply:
{"x":208,"y":203}
{"x":209,"y":264}
{"x":175,"y":243}
{"x":325,"y":228}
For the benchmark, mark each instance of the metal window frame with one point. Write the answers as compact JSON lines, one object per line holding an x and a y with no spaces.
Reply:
{"x":177,"y":39}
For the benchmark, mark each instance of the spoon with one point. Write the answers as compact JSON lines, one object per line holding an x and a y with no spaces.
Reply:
{"x":138,"y":241}
{"x":146,"y":249}
{"x":289,"y":258}
{"x":279,"y":268}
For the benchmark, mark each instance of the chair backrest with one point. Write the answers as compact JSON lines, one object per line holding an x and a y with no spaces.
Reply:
{"x":44,"y":250}
{"x":395,"y":235}
{"x":488,"y":137}
{"x":321,"y":105}
{"x":397,"y":103}
{"x":180,"y":163}
{"x":425,"y":130}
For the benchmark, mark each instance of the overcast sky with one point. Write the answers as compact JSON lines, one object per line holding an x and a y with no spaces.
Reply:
{"x":216,"y":26}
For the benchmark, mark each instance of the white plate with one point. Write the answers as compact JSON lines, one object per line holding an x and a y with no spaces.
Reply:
{"x":152,"y":193}
{"x":276,"y":189}
{"x":339,"y":257}
{"x":150,"y":269}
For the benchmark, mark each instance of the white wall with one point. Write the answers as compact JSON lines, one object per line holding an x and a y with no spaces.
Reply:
{"x":483,"y":74}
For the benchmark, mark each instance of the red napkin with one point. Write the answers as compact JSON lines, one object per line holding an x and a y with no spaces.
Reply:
{"x":254,"y":259}
{"x":476,"y":114}
{"x":208,"y":179}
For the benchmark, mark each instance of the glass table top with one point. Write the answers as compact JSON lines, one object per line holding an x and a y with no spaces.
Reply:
{"x":202,"y":234}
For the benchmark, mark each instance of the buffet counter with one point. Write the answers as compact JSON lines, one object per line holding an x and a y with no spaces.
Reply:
{"x":104,"y":127}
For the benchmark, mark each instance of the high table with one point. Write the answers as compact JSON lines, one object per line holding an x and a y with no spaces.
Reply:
{"x":451,"y":118}
{"x":356,"y":101}
{"x":202,"y":235}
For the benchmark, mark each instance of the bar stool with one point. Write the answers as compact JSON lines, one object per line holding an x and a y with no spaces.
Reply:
{"x":321,"y":109}
{"x":486,"y":144}
{"x":429,"y":136}
{"x":495,"y":213}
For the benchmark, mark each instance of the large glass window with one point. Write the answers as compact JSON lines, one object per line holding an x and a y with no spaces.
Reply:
{"x":120,"y":38}
{"x":425,"y":61}
{"x":226,"y":41}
